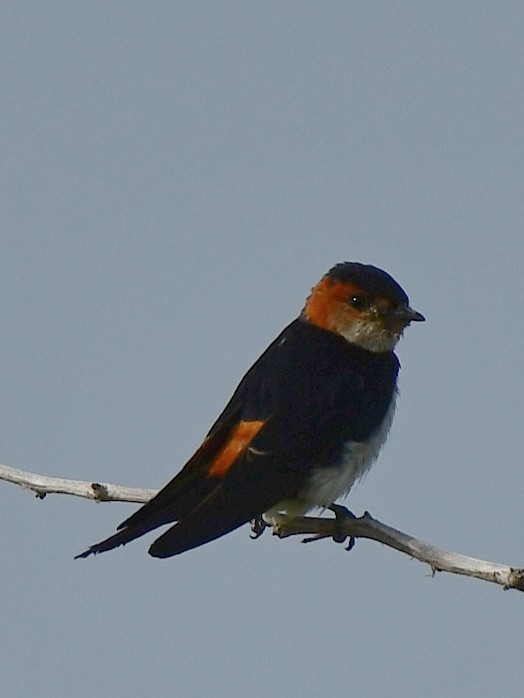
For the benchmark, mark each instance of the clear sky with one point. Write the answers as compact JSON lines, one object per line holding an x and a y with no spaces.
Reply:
{"x":175,"y":178}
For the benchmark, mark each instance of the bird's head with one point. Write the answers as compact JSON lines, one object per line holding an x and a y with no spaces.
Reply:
{"x":363,"y":304}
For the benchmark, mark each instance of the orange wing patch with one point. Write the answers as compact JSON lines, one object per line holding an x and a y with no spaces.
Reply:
{"x":240,"y":438}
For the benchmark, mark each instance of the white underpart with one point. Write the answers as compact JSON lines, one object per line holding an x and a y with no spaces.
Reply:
{"x":329,"y":484}
{"x":369,"y":335}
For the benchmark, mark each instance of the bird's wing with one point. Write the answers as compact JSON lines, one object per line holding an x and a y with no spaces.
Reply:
{"x":181,"y":494}
{"x":227,"y":482}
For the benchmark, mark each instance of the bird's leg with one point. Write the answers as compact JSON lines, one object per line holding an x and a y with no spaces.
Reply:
{"x":258,"y":526}
{"x":342,"y":514}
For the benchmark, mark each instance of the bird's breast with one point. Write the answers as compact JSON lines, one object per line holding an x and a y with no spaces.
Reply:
{"x":329,"y":483}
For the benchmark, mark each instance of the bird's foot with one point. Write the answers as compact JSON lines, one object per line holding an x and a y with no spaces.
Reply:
{"x":258,"y":526}
{"x":342,"y":514}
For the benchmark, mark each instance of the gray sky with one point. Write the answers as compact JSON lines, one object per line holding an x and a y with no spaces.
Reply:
{"x":175,"y":178}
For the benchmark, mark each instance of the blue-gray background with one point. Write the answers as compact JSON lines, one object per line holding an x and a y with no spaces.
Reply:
{"x":175,"y":178}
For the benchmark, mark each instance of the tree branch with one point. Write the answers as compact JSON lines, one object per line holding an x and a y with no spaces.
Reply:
{"x":364,"y":527}
{"x":100,"y":492}
{"x":439,"y":560}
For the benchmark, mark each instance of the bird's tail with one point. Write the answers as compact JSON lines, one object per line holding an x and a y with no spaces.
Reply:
{"x":120,"y":538}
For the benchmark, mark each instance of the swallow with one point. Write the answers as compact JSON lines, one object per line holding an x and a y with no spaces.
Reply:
{"x":306,"y":421}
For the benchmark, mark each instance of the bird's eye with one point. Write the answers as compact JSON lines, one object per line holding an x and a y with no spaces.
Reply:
{"x":360,"y":303}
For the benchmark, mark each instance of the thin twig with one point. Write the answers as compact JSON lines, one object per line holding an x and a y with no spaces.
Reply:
{"x":364,"y":527}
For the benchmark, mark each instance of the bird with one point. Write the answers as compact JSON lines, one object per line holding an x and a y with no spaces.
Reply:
{"x":306,"y":421}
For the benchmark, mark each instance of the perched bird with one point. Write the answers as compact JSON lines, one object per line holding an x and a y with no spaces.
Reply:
{"x":306,"y":421}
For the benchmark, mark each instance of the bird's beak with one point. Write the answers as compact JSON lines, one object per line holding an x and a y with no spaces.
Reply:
{"x":400,"y":317}
{"x":408,"y":315}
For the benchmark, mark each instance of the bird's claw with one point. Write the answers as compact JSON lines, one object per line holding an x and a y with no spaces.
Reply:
{"x":258,"y":526}
{"x":342,"y":514}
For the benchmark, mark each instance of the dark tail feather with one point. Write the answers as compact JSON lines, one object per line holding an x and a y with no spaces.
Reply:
{"x":221,"y":512}
{"x":191,"y":533}
{"x":147,"y":519}
{"x":185,"y":535}
{"x":120,"y":538}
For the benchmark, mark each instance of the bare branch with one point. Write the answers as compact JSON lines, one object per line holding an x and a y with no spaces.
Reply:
{"x":101,"y":492}
{"x":439,"y":560}
{"x":363,"y":527}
